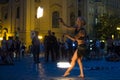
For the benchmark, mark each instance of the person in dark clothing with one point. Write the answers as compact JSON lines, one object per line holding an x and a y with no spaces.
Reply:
{"x":49,"y":42}
{"x":22,"y":48}
{"x":55,"y":46}
{"x":3,"y":49}
{"x":36,"y":48}
{"x":17,"y":47}
{"x":11,"y":48}
{"x":80,"y":52}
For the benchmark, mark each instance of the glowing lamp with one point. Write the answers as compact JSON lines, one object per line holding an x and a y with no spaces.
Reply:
{"x":39,"y":12}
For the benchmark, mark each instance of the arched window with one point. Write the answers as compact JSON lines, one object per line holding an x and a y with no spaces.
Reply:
{"x":55,"y":16}
{"x":72,"y":19}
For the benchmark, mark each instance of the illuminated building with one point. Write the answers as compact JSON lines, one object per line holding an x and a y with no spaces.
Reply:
{"x":20,"y":16}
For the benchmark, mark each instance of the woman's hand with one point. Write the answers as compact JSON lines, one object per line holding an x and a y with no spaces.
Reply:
{"x":60,"y":20}
{"x":65,"y":35}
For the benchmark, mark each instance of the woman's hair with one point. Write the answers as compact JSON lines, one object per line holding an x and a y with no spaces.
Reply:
{"x":83,"y":20}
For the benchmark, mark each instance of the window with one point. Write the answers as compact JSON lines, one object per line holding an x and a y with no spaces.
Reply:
{"x":6,"y":16}
{"x":18,"y":13}
{"x":55,"y":22}
{"x":4,"y":12}
{"x":79,"y":12}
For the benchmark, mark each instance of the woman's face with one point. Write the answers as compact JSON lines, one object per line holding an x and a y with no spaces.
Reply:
{"x":79,"y":22}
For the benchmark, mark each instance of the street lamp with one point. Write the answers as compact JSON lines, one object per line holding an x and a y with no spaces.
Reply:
{"x":39,"y":15}
{"x":39,"y":12}
{"x":118,"y":28}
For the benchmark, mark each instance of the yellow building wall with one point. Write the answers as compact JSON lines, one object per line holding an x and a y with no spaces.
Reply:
{"x":44,"y":23}
{"x":28,"y":21}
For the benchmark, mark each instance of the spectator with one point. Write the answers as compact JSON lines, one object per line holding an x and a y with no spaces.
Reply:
{"x":36,"y":48}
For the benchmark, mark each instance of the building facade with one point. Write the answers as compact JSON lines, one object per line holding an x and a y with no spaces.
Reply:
{"x":19,"y":17}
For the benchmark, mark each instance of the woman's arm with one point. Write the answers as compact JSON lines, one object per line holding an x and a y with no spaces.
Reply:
{"x":71,"y":38}
{"x":75,"y":39}
{"x":67,"y":26}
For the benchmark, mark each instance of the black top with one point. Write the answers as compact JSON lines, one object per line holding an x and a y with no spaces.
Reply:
{"x":78,"y":30}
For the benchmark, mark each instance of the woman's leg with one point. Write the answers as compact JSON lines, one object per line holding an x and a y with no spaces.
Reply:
{"x":74,"y":58}
{"x":81,"y":67}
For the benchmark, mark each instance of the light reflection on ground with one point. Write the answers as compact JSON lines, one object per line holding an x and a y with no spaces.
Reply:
{"x":63,"y":64}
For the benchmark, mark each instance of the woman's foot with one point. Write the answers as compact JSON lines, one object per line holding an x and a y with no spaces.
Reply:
{"x":66,"y":74}
{"x":81,"y":76}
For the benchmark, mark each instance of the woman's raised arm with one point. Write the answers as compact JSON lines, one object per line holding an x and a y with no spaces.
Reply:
{"x":71,"y":38}
{"x":67,"y":26}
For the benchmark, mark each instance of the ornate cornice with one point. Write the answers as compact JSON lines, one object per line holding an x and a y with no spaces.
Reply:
{"x":56,"y":5}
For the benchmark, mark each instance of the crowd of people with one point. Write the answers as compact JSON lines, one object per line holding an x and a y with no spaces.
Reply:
{"x":10,"y":49}
{"x":52,"y":48}
{"x":58,"y":49}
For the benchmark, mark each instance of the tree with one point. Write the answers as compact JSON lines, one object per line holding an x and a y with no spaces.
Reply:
{"x":107,"y":26}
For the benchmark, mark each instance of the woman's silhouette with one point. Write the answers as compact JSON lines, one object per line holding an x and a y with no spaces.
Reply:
{"x":79,"y":37}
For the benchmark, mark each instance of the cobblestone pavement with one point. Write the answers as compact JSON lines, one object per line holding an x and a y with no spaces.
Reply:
{"x":26,"y":69}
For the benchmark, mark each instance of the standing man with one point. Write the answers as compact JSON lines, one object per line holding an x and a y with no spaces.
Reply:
{"x":55,"y":46}
{"x":49,"y":42}
{"x":36,"y":48}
